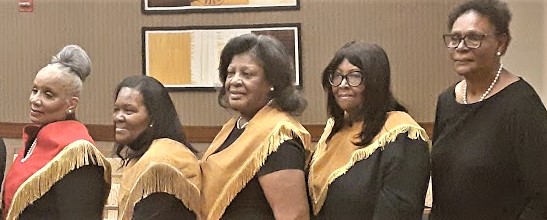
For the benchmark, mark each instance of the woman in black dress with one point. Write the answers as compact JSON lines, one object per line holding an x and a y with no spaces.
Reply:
{"x":490,"y":137}
{"x":372,"y":161}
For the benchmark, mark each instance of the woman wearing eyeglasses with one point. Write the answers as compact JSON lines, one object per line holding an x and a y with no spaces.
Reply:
{"x":489,"y":156}
{"x":372,"y":161}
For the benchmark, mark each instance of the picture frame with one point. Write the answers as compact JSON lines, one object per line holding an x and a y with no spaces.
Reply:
{"x":186,"y":58}
{"x":205,"y":6}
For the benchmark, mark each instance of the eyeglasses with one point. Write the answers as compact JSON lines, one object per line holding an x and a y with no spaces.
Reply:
{"x":472,"y":41}
{"x":353,"y":79}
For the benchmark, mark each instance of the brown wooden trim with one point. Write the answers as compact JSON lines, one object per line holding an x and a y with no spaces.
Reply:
{"x":196,"y":134}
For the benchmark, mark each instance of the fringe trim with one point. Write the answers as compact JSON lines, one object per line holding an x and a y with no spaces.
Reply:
{"x":322,"y":143}
{"x":250,"y":167}
{"x":75,"y":155}
{"x":160,"y":177}
{"x":414,"y":132}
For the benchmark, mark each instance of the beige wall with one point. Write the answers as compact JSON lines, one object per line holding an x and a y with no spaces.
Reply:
{"x":110,"y":31}
{"x":527,"y":54}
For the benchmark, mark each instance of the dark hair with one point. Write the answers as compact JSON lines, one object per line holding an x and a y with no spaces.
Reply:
{"x":161,"y":111}
{"x":496,"y":11}
{"x":277,"y":65}
{"x":373,"y":62}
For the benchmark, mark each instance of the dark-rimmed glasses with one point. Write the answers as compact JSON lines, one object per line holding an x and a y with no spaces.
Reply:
{"x":353,"y":79}
{"x":472,"y":41}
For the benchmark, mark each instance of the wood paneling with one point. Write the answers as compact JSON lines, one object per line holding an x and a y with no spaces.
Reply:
{"x":195,"y":134}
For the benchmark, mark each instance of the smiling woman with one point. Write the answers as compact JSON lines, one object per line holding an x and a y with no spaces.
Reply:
{"x":161,"y":176}
{"x":254,"y":168}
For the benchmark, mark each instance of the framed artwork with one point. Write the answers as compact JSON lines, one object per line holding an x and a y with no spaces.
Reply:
{"x":187,"y":58}
{"x":185,"y":6}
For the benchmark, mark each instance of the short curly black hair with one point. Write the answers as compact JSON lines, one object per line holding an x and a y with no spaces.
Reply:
{"x":497,"y":12}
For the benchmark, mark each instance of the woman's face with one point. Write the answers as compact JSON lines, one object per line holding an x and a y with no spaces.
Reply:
{"x":130,"y":116}
{"x":51,"y":96}
{"x":480,"y":60}
{"x":348,"y":97}
{"x":246,"y":86}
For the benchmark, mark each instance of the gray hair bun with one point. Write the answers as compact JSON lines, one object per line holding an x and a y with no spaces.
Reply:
{"x":76,"y":59}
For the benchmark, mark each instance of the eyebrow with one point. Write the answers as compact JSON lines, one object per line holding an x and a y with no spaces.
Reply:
{"x":465,"y":33}
{"x":350,"y":71}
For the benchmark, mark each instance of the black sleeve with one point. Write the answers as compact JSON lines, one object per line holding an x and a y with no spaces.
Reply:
{"x":405,"y":179}
{"x":2,"y":159}
{"x":161,"y":206}
{"x":81,"y":194}
{"x":2,"y":164}
{"x":531,"y":154}
{"x":289,"y":155}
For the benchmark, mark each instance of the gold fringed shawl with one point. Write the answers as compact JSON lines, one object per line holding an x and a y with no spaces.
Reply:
{"x":75,"y":155}
{"x":333,"y":159}
{"x":167,"y":166}
{"x":227,"y":172}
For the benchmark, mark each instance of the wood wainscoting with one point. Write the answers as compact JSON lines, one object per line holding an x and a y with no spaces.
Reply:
{"x":195,"y":134}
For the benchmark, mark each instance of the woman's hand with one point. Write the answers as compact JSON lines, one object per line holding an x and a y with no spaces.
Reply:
{"x":285,"y":191}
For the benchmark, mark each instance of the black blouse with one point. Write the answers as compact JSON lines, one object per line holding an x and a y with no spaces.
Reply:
{"x":389,"y":184}
{"x":78,"y":195}
{"x":251,"y":203}
{"x":162,"y":206}
{"x":489,"y":159}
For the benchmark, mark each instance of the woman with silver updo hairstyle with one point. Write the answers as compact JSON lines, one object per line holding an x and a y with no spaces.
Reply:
{"x":489,"y":156}
{"x":58,"y":173}
{"x":254,"y":168}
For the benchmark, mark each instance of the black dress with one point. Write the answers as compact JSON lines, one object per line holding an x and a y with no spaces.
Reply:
{"x":250,"y":203}
{"x":489,"y":159}
{"x":161,"y":206}
{"x":81,"y":191}
{"x":372,"y":188}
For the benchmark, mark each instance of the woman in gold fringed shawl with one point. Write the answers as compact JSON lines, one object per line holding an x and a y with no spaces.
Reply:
{"x":161,"y":176}
{"x":372,"y":161}
{"x":254,"y":168}
{"x":58,"y":172}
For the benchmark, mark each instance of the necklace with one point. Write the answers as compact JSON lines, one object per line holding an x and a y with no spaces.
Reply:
{"x":241,"y":126}
{"x":483,"y":96}
{"x":30,"y":150}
